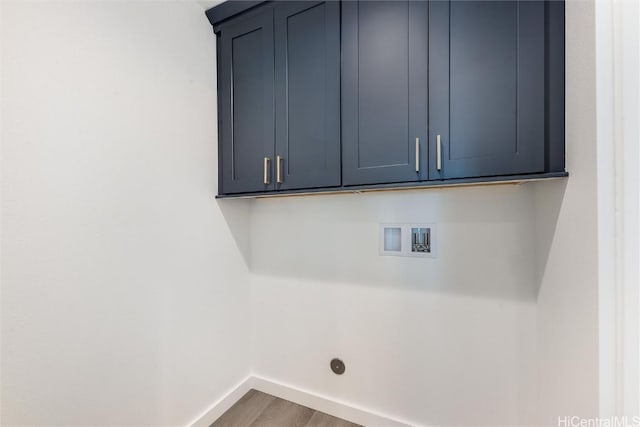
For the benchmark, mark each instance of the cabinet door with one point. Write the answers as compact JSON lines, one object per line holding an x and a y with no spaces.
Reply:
{"x":307,"y":77}
{"x":486,"y":87}
{"x":246,"y":103}
{"x":384,"y":91}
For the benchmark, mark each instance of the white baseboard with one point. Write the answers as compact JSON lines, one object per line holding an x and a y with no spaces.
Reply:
{"x":312,"y":400}
{"x":225,"y":402}
{"x":325,"y":404}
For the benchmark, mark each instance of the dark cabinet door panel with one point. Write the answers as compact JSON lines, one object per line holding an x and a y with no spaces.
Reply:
{"x":384,"y":90}
{"x":246,"y":103}
{"x":307,"y":79}
{"x":487,"y":88}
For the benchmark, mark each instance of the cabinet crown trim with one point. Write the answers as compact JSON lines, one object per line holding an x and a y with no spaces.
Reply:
{"x":229,"y":9}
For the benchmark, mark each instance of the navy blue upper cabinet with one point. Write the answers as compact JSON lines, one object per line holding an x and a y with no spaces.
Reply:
{"x":307,"y":81}
{"x":486,"y":88}
{"x":329,"y":95}
{"x":245,"y":100}
{"x":384,"y":91}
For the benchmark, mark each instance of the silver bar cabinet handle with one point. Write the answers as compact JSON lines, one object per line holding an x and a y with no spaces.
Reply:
{"x":279,"y":169}
{"x":438,"y":152}
{"x":266,"y":170}
{"x":417,"y":154}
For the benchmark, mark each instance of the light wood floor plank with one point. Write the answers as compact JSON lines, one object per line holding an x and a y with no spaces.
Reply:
{"x":245,"y":411}
{"x":257,"y":409}
{"x":320,"y":419}
{"x":281,"y":413}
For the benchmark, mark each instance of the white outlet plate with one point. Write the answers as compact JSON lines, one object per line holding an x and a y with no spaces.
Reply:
{"x":404,"y":248}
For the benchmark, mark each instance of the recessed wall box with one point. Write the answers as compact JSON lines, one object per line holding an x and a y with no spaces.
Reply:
{"x":390,"y":239}
{"x":420,"y":240}
{"x":409,"y":240}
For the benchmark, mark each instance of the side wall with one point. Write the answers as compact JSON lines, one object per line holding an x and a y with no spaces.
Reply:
{"x":124,"y":294}
{"x":567,"y":243}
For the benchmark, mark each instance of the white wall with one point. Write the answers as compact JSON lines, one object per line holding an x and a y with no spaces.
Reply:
{"x":124,"y":295}
{"x":501,"y":328}
{"x":567,"y":245}
{"x":446,"y":341}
